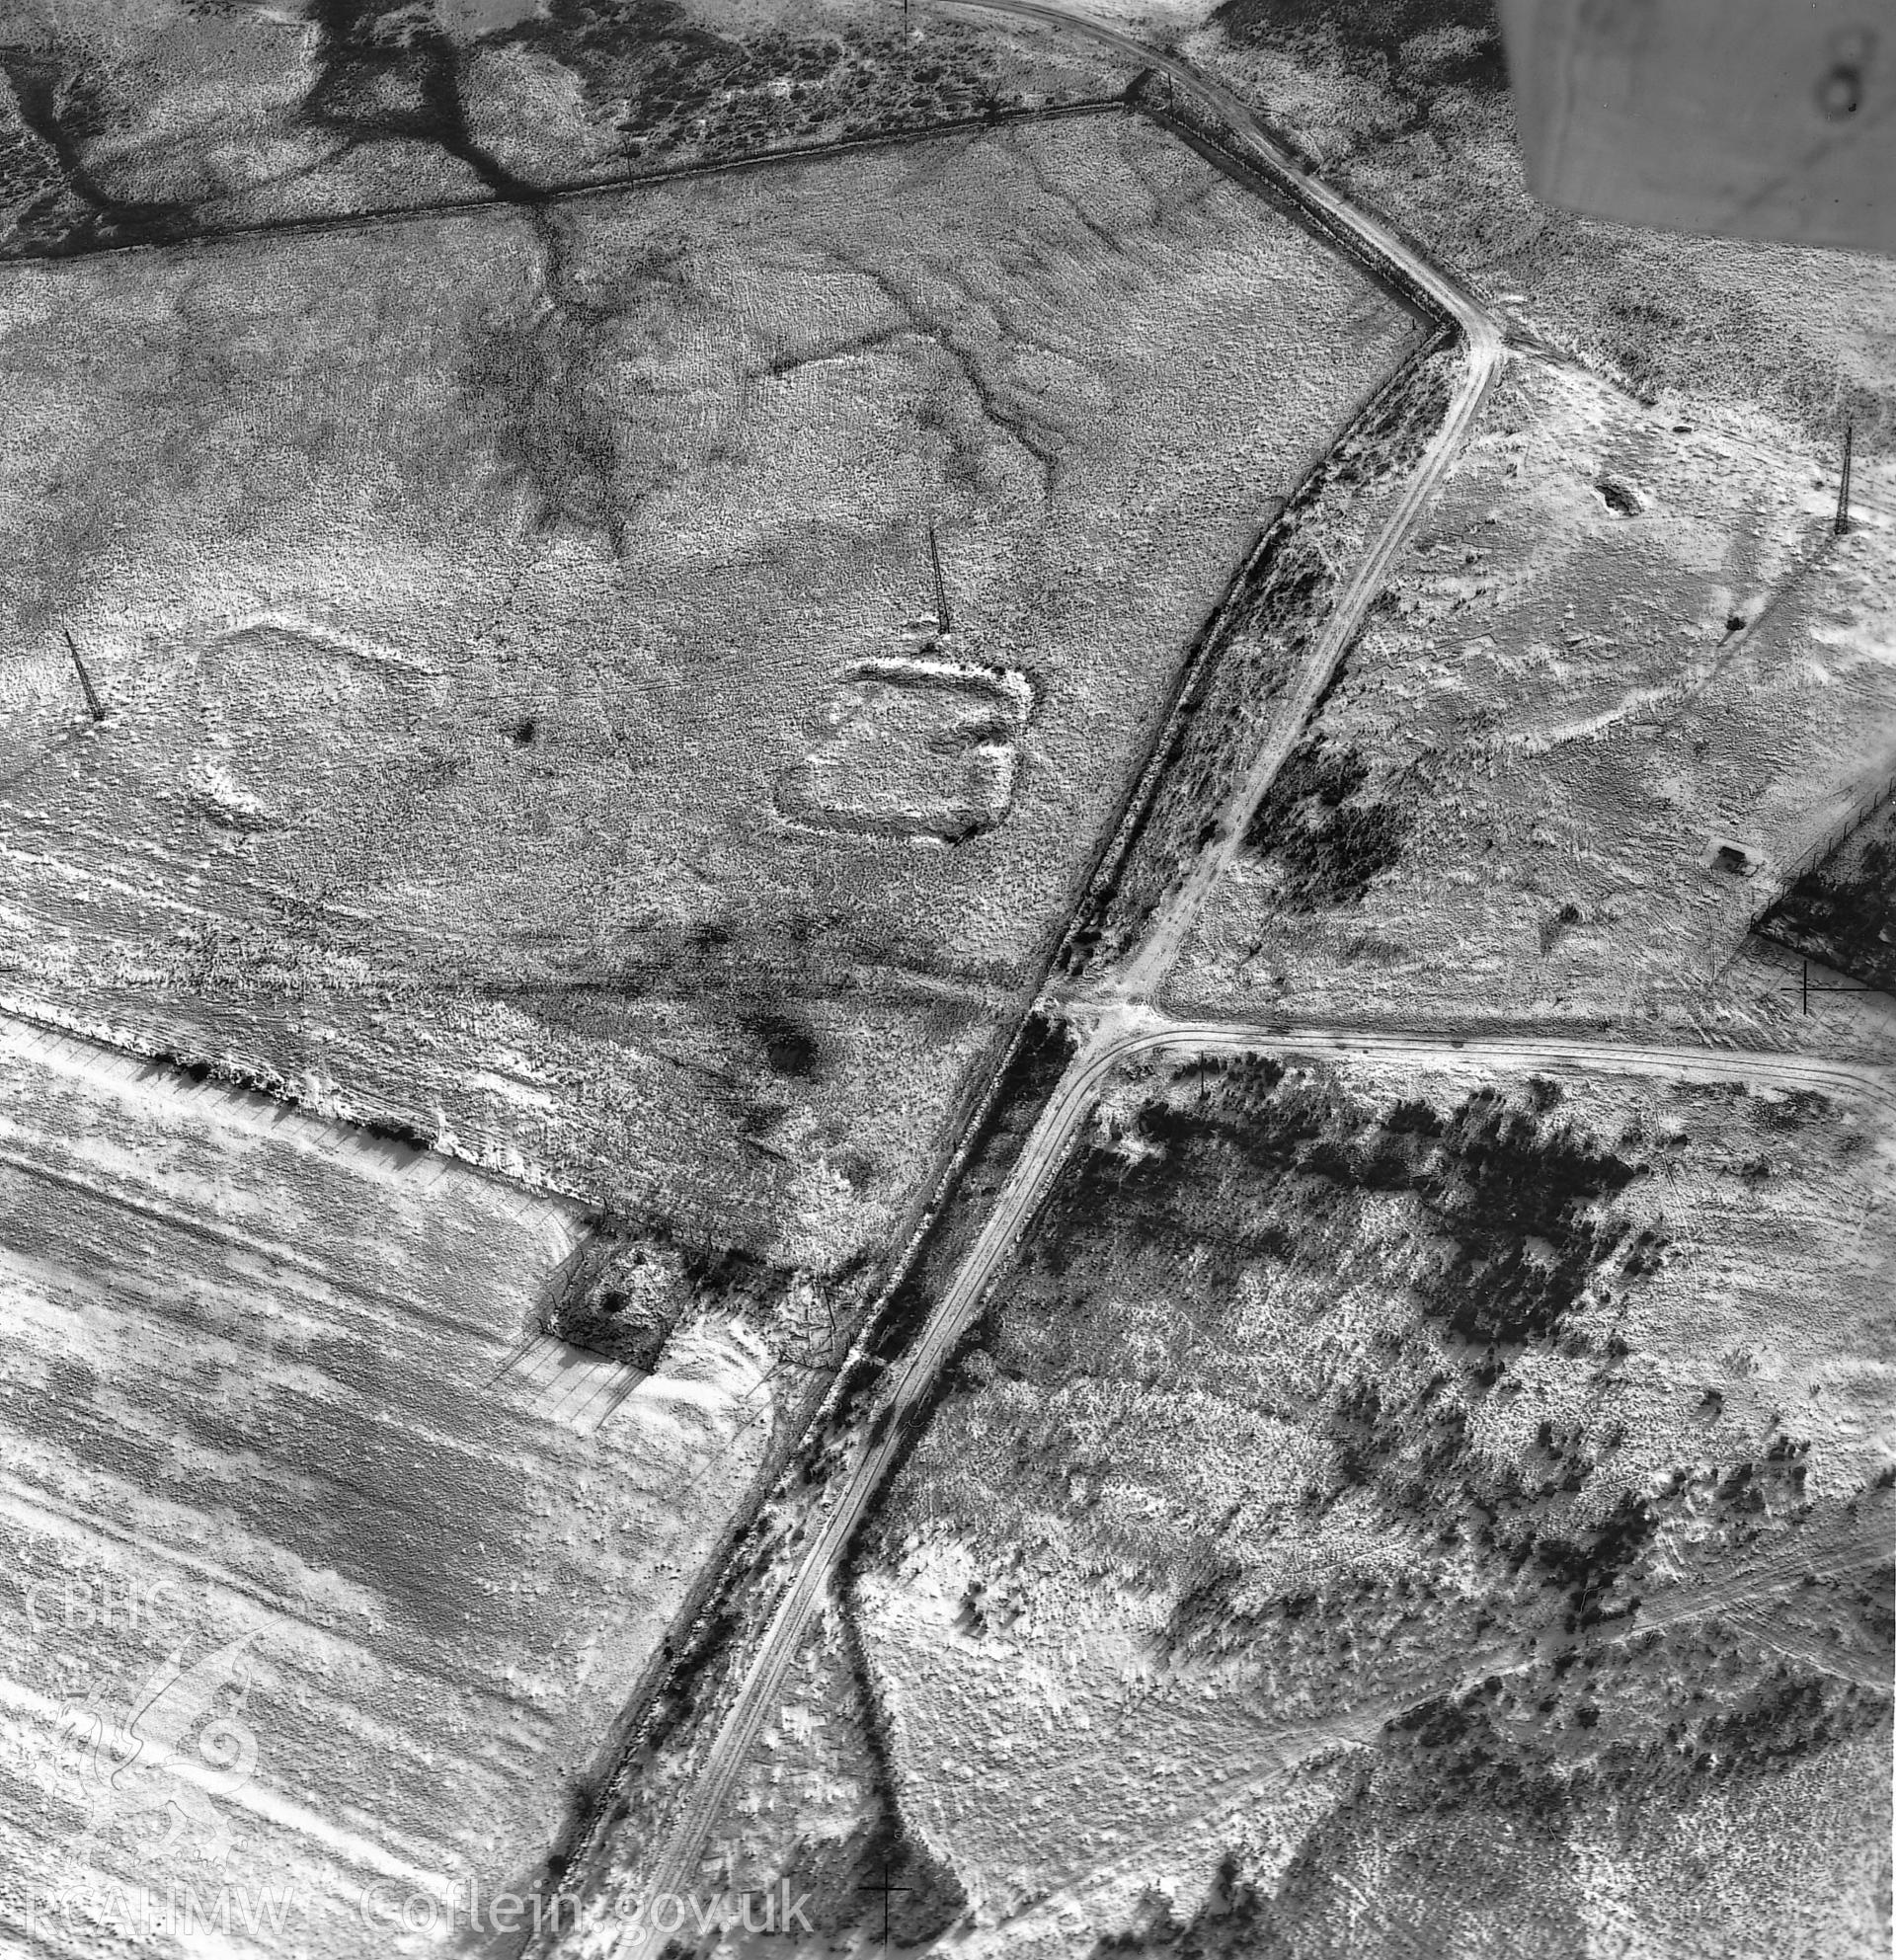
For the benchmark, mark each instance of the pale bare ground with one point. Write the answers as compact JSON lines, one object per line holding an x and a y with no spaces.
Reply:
{"x":257,"y":1416}
{"x":1481,"y":351}
{"x":991,"y":1729}
{"x":439,"y":783}
{"x":1121,"y":1035}
{"x":675,"y":1863}
{"x":1208,"y":1757}
{"x":1564,"y":711}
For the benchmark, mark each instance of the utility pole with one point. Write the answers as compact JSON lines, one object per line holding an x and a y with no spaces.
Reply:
{"x":1843,"y":488}
{"x":942,"y":622}
{"x":85,"y":680}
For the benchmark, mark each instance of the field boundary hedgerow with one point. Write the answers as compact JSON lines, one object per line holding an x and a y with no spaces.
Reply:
{"x":1113,"y":907}
{"x":827,"y":1534}
{"x":704,"y":1694}
{"x":1098,"y":921}
{"x":830,"y":1515}
{"x":695,"y":1653}
{"x":533,"y":197}
{"x":1282,"y":188}
{"x":706,"y":1735}
{"x":1809,"y":859}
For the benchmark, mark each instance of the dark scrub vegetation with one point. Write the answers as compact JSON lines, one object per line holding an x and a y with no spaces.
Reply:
{"x":1324,"y":844}
{"x":1423,"y":1265}
{"x":1843,"y":909}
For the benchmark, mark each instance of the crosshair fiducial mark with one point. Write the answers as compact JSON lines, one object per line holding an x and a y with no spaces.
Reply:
{"x":886,"y":1887}
{"x":697,"y":628}
{"x":1810,"y":986}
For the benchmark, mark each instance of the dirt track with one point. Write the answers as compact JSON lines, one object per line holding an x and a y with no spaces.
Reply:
{"x":1127,"y":1026}
{"x":1120,"y":1036}
{"x":674,"y":1867}
{"x":1483,"y":348}
{"x":1846,"y":1554}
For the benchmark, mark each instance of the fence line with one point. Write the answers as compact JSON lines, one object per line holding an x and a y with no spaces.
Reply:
{"x":1240,"y":157}
{"x":1838,"y":834}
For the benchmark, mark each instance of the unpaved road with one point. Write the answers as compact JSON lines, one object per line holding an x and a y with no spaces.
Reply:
{"x":676,"y":1865}
{"x":1126,"y":1026}
{"x":1122,"y":1035}
{"x":1482,"y":350}
{"x":1850,"y":1552}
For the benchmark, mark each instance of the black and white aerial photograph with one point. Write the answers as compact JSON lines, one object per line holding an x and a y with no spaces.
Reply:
{"x":947,"y":980}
